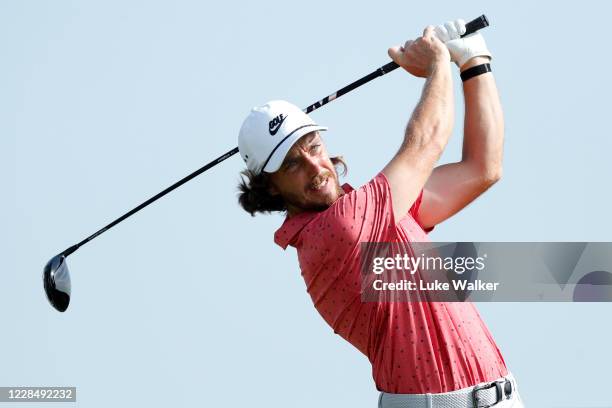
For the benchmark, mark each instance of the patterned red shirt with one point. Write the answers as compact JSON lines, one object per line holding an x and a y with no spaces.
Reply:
{"x":414,"y":347}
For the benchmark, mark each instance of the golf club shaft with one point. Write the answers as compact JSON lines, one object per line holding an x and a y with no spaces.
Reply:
{"x":471,"y":27}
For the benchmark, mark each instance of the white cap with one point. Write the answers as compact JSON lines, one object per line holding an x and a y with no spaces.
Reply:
{"x":268,"y":133}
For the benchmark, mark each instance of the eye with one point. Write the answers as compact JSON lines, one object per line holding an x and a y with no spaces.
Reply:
{"x":290,"y":165}
{"x":315,"y":148}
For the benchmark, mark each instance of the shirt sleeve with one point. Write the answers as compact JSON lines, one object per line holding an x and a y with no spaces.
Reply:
{"x":414,"y":209}
{"x":414,"y":212}
{"x":367,"y":212}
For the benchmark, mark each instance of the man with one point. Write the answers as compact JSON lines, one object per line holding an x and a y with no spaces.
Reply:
{"x":424,"y":354}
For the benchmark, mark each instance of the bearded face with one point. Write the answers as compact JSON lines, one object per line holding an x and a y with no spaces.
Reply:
{"x":307,"y":179}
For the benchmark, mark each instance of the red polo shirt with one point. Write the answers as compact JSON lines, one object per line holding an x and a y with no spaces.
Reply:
{"x":414,"y":348}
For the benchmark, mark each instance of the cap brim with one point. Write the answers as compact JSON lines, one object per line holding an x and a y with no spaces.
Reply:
{"x":277,"y":158}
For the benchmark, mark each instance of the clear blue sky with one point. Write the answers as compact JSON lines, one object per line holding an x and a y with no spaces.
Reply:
{"x":103,"y":104}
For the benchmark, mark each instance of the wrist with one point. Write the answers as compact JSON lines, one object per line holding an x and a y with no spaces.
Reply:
{"x":439,"y":63}
{"x":472,"y":62}
{"x":475,"y":71}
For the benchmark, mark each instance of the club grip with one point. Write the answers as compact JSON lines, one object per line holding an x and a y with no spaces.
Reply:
{"x":470,"y":28}
{"x":475,"y":25}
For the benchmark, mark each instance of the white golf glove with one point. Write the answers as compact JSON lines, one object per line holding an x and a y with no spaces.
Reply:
{"x":461,"y":49}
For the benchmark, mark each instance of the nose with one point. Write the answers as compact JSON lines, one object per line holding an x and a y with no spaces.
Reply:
{"x":313,"y":165}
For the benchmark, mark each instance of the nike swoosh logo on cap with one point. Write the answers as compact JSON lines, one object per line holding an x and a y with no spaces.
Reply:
{"x":276,"y":123}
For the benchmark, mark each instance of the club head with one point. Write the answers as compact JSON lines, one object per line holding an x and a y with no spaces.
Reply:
{"x":56,"y":279}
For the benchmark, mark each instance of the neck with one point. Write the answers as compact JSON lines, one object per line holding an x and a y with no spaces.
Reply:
{"x":293,"y":210}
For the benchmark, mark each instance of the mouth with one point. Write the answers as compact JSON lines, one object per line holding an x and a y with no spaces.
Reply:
{"x":319,"y":184}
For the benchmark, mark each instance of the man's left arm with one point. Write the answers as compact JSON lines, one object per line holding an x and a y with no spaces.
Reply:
{"x":453,"y":186}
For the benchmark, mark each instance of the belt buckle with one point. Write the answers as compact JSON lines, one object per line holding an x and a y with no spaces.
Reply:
{"x":499,"y":387}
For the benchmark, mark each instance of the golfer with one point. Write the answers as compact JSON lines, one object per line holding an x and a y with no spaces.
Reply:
{"x":423,"y":354}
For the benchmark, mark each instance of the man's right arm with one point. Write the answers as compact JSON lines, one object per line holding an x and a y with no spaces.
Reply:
{"x":430,"y":125}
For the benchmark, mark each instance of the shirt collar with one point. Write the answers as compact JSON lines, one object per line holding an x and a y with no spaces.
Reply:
{"x":289,"y":232}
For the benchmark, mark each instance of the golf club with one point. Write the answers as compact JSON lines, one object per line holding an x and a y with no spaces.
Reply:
{"x":56,"y":277}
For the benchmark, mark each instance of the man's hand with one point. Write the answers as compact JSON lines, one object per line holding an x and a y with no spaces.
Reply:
{"x":420,"y":57}
{"x":461,"y":49}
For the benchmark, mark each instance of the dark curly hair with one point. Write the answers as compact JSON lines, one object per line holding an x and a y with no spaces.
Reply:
{"x":254,"y":190}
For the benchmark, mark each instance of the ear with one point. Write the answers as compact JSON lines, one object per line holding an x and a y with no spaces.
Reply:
{"x":272,"y":190}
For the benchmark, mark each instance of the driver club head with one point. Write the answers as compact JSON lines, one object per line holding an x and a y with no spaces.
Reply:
{"x":56,"y":279}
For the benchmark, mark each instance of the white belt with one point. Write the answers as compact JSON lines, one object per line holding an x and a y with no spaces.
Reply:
{"x":482,"y":395}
